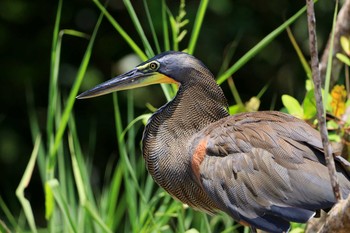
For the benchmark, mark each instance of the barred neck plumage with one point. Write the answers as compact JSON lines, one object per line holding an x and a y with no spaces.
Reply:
{"x":198,"y":103}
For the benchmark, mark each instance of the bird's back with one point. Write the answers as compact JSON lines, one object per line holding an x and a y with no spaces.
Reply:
{"x":266,"y":169}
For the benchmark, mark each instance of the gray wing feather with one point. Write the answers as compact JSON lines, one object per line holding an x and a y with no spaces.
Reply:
{"x":266,"y":164}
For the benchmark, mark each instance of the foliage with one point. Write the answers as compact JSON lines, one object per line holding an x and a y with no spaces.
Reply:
{"x":345,"y":44}
{"x":129,"y":200}
{"x":337,"y":100}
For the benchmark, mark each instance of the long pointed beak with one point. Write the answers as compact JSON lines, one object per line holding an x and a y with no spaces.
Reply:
{"x":129,"y":80}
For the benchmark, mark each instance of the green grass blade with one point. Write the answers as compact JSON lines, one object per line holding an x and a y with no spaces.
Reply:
{"x":197,"y":25}
{"x":258,"y":47}
{"x":9,"y":216}
{"x":134,"y":193}
{"x":131,"y":132}
{"x":121,"y":141}
{"x":263,"y":90}
{"x":300,"y":54}
{"x":63,"y":173}
{"x":3,"y":227}
{"x":55,"y":51}
{"x":165,"y":27}
{"x":94,"y":214}
{"x":330,"y":61}
{"x":228,"y":56}
{"x":24,"y":183}
{"x":234,"y":92}
{"x":76,"y":171}
{"x":168,"y":91}
{"x":130,"y":183}
{"x":66,"y":213}
{"x":113,"y":198}
{"x":35,"y":131}
{"x":55,"y":64}
{"x":83,"y":166}
{"x":174,"y":30}
{"x":54,"y":147}
{"x":132,"y":123}
{"x":181,"y":220}
{"x":206,"y":223}
{"x":70,"y":102}
{"x":121,"y":31}
{"x":138,"y":27}
{"x":150,"y":22}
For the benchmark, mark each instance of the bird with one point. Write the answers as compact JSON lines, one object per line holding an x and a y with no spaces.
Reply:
{"x":265,"y":169}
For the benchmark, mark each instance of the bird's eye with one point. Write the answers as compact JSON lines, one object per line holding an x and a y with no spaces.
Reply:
{"x":153,"y":65}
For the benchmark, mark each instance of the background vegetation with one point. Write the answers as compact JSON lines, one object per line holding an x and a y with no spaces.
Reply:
{"x":99,"y":182}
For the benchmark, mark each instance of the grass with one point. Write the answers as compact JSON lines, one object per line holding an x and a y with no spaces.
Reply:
{"x":129,"y":200}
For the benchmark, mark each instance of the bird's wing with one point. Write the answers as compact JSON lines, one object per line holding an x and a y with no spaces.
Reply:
{"x":263,"y":168}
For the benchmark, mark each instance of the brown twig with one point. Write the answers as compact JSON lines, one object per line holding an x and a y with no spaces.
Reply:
{"x":342,"y":28}
{"x":318,"y":96}
{"x":338,"y":219}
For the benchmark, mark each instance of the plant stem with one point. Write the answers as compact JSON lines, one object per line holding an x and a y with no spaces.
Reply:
{"x":318,"y":96}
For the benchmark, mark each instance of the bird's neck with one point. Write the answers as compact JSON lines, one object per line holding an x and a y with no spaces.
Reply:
{"x":166,"y":136}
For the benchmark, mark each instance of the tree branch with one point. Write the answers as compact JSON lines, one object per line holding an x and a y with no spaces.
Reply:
{"x":338,"y":219}
{"x":318,"y":96}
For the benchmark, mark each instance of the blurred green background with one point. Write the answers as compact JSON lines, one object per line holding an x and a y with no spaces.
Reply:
{"x":26,"y":29}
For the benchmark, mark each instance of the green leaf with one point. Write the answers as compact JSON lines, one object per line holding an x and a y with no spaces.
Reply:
{"x":329,"y":98}
{"x":345,"y":44}
{"x":253,"y":104}
{"x":334,"y":137}
{"x":309,"y":85}
{"x":292,"y":105}
{"x":144,"y":118}
{"x":332,"y":125}
{"x":347,"y":104}
{"x":309,"y":105}
{"x":192,"y":230}
{"x":24,"y":183}
{"x":49,"y":201}
{"x":54,"y":187}
{"x":237,"y":108}
{"x":343,"y":58}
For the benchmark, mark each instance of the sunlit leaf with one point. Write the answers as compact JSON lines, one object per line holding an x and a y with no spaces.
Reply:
{"x":343,"y":58}
{"x":332,"y":125}
{"x":49,"y":201}
{"x":237,"y":108}
{"x":253,"y":104}
{"x":309,"y":85}
{"x":345,"y":44}
{"x":334,"y":137}
{"x":292,"y":105}
{"x":309,"y":105}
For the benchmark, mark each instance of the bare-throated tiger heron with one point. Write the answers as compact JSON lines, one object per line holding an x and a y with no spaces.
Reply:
{"x":264,"y":169}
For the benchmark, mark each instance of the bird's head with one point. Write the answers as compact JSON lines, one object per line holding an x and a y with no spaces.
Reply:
{"x":167,"y":67}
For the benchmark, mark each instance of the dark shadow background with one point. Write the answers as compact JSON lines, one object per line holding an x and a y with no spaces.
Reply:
{"x":26,"y":29}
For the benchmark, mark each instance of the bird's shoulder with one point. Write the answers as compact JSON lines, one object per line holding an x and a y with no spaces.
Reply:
{"x":279,"y":133}
{"x":251,"y":142}
{"x":248,"y":162}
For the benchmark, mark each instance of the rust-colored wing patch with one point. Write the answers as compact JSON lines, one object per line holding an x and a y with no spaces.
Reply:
{"x":198,"y":157}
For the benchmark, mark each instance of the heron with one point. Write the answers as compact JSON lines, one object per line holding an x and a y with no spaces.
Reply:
{"x":265,"y":169}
